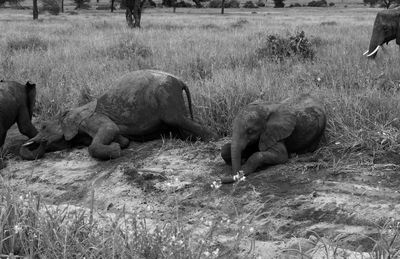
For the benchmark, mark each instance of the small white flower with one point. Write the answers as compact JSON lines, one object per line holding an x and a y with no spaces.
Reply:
{"x":17,"y":228}
{"x":206,"y":253}
{"x":215,"y":252}
{"x":318,"y":79}
{"x":251,"y":230}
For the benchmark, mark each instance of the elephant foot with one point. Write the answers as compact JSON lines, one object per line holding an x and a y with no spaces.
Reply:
{"x":105,"y":152}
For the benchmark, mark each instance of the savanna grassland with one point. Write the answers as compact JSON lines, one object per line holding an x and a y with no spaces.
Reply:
{"x":73,"y":58}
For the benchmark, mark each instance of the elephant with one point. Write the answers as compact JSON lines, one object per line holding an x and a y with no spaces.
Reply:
{"x":17,"y":102}
{"x":386,"y":28}
{"x":266,"y":133}
{"x":140,"y":106}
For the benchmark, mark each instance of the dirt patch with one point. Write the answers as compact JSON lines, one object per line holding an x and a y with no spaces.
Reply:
{"x":165,"y":178}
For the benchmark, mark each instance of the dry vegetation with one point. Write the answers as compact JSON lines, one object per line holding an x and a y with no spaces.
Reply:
{"x":74,"y":58}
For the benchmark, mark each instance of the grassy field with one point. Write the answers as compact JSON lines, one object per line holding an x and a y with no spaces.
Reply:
{"x":74,"y":58}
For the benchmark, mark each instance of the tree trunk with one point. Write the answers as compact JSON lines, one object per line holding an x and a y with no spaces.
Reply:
{"x":62,"y":6}
{"x":112,"y":5}
{"x":222,"y":6}
{"x":174,"y":5}
{"x":35,"y":10}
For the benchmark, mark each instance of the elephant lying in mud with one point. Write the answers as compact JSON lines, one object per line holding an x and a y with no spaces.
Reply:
{"x":16,"y":105}
{"x":266,"y":133}
{"x":386,"y":28}
{"x":139,"y":106}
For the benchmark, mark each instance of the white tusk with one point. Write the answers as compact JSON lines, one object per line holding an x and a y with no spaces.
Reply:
{"x":365,"y":53}
{"x":373,"y":52}
{"x":28,"y":143}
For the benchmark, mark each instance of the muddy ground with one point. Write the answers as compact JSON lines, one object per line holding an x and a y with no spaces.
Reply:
{"x":342,"y":197}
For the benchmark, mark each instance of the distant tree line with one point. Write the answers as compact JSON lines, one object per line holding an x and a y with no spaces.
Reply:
{"x":382,"y":3}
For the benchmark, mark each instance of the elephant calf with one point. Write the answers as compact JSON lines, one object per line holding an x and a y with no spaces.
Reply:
{"x":265,"y":133}
{"x":139,"y":106}
{"x":16,"y":105}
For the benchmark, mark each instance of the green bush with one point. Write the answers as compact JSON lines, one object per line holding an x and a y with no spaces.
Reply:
{"x":249,"y":4}
{"x":51,"y":6}
{"x":279,"y":4}
{"x":227,"y":4}
{"x":319,"y":3}
{"x":278,"y":48}
{"x":331,"y":4}
{"x":260,"y":3}
{"x":294,"y":5}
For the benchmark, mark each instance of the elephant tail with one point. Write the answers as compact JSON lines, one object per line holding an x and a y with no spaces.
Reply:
{"x":186,"y":89}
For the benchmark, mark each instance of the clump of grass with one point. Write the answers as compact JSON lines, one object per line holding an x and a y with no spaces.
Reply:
{"x":329,"y":23}
{"x":239,"y":23}
{"x":278,"y":48}
{"x":31,"y":228}
{"x":128,"y":49}
{"x":31,"y":43}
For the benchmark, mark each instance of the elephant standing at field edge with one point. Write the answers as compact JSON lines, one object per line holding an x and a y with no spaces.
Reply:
{"x":139,"y":106}
{"x":386,"y":28}
{"x":266,"y":133}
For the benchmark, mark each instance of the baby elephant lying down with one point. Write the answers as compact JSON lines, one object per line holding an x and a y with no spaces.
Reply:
{"x":265,"y":133}
{"x":141,"y":105}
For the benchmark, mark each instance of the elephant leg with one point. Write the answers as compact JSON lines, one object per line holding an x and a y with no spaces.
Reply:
{"x":102,"y":146}
{"x":246,"y":153}
{"x":273,"y":156}
{"x":191,"y":128}
{"x":24,"y":123}
{"x":122,"y":141}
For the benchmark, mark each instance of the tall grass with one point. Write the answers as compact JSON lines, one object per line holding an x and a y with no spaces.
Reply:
{"x":217,"y":59}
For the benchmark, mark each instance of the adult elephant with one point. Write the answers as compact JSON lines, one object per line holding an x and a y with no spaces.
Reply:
{"x":16,"y":105}
{"x":266,"y":133}
{"x":139,"y":106}
{"x":386,"y":28}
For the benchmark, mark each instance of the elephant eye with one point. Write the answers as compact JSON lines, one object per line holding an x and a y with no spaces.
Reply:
{"x":250,"y":131}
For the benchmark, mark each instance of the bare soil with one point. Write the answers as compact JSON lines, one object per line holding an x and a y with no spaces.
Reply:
{"x":168,"y":180}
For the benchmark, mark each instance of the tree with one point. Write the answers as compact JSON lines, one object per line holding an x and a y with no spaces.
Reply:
{"x":279,"y":4}
{"x":35,"y":10}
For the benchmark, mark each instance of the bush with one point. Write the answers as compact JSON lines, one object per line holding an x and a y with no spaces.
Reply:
{"x":260,"y":3}
{"x":319,"y":3}
{"x":31,"y":43}
{"x":150,"y":4}
{"x":294,"y":5}
{"x":279,"y":4}
{"x":277,"y":48}
{"x":51,"y":6}
{"x":82,"y":4}
{"x":249,"y":4}
{"x":227,"y":4}
{"x":331,"y":4}
{"x":183,"y":4}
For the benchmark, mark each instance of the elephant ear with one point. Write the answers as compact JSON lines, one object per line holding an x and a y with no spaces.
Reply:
{"x":31,"y":97}
{"x":72,"y":119}
{"x":280,"y":125}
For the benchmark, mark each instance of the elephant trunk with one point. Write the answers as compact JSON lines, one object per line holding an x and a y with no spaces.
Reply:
{"x":32,"y":150}
{"x":236,"y":153}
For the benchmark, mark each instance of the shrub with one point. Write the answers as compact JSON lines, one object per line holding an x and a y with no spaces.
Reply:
{"x":277,"y":48}
{"x":319,"y":3}
{"x":82,"y":4}
{"x":249,"y":4}
{"x":260,"y":3}
{"x":279,"y":4}
{"x":227,"y":4}
{"x":294,"y":5}
{"x":51,"y":6}
{"x":30,"y":43}
{"x":183,"y":4}
{"x":331,"y":4}
{"x":149,"y":4}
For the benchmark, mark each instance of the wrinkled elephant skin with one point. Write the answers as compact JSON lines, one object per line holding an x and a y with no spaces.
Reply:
{"x":16,"y":105}
{"x":265,"y":134}
{"x":139,"y":106}
{"x":386,"y":28}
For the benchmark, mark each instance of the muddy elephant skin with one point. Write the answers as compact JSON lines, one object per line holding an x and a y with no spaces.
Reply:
{"x":139,"y":106}
{"x":265,"y":134}
{"x":386,"y":28}
{"x":16,"y":105}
